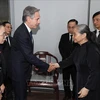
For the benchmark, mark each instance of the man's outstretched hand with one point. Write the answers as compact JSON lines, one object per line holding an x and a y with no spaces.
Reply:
{"x":53,"y":66}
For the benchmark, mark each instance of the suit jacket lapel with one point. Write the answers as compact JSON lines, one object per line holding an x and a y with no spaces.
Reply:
{"x":98,"y":38}
{"x":28,"y":34}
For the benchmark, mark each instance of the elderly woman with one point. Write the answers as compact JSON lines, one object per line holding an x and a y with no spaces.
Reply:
{"x":86,"y":57}
{"x":2,"y":64}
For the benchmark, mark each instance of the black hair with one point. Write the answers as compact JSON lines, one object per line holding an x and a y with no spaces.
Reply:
{"x":95,"y":14}
{"x":73,"y":20}
{"x":6,"y":22}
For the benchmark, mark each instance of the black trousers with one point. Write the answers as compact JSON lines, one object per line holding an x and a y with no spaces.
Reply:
{"x":8,"y":94}
{"x":20,"y":90}
{"x":71,"y":70}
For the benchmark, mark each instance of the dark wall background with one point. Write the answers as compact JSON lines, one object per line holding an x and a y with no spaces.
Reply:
{"x":4,"y":10}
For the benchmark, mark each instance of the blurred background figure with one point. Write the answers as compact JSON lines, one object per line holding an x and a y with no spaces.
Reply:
{"x":96,"y":22}
{"x":6,"y":52}
{"x":2,"y":61}
{"x":8,"y":28}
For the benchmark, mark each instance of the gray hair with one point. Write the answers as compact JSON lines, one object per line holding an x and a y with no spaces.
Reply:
{"x":83,"y":28}
{"x":29,"y":11}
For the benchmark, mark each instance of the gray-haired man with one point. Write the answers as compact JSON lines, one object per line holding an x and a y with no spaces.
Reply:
{"x":22,"y":52}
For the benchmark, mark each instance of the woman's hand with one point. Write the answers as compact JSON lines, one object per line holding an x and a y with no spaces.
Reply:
{"x":0,"y":96}
{"x":2,"y":87}
{"x":83,"y":92}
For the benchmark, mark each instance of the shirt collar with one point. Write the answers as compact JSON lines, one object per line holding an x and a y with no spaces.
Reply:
{"x":29,"y":30}
{"x":98,"y":30}
{"x":70,"y":34}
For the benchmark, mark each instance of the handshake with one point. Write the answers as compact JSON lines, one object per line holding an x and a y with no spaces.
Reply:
{"x":53,"y":66}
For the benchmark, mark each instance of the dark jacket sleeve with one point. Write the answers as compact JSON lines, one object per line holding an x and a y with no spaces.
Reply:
{"x":68,"y":61}
{"x":1,"y":78}
{"x":2,"y":69}
{"x":93,"y":60}
{"x":27,"y":51}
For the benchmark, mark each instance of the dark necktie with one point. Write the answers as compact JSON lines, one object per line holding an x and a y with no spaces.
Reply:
{"x":31,"y":34}
{"x":7,"y":40}
{"x":98,"y":38}
{"x":32,"y":39}
{"x":71,"y":38}
{"x":99,"y":34}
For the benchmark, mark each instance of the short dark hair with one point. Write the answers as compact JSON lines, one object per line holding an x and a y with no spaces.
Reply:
{"x":95,"y":14}
{"x":73,"y":20}
{"x":6,"y":22}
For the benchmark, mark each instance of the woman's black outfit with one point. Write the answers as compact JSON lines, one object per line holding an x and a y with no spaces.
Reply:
{"x":87,"y":60}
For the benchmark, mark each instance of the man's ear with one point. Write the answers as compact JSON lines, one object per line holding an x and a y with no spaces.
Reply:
{"x":28,"y":18}
{"x":84,"y":35}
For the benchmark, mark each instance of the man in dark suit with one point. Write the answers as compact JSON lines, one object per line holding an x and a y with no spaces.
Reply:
{"x":7,"y":43}
{"x":66,"y":46}
{"x":22,"y":56}
{"x":96,"y":22}
{"x":6,"y":52}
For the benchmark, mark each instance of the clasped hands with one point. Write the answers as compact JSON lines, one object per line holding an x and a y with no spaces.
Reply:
{"x":53,"y":66}
{"x":82,"y":93}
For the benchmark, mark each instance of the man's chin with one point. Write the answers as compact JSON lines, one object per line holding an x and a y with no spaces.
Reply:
{"x":74,"y":41}
{"x":34,"y":27}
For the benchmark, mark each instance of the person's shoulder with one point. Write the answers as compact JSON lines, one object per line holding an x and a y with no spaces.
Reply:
{"x":94,"y":31}
{"x":10,"y":36}
{"x":93,"y":47}
{"x":21,"y":26}
{"x":65,"y":34}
